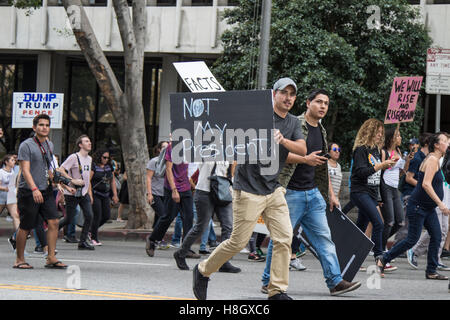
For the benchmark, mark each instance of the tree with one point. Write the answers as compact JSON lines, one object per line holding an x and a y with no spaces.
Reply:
{"x":124,"y":103}
{"x":331,"y":44}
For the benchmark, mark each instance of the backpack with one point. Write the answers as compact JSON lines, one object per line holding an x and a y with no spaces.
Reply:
{"x":160,"y":165}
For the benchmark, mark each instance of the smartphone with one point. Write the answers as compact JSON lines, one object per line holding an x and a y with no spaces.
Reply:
{"x":326,"y":155}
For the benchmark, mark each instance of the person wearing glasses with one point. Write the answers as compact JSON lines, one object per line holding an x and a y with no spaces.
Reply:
{"x":103,"y":183}
{"x":334,"y":168}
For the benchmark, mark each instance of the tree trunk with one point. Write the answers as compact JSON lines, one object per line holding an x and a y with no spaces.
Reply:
{"x":126,"y":106}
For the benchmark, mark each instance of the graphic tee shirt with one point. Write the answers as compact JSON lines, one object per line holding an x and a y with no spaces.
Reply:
{"x":29,"y":151}
{"x":248,"y":177}
{"x":101,"y":179}
{"x":71,"y":165}
{"x":364,"y":177}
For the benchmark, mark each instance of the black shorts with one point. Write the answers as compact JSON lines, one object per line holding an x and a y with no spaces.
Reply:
{"x":29,"y":210}
{"x":123,"y":194}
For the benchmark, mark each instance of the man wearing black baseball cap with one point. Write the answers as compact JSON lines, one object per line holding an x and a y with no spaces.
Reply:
{"x":256,"y":194}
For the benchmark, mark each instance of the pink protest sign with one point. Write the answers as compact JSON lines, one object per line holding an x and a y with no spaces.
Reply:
{"x":403,"y":99}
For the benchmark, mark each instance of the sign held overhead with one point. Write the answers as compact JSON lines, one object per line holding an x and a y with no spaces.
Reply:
{"x":197,"y":76}
{"x":403,"y":99}
{"x":27,"y":105}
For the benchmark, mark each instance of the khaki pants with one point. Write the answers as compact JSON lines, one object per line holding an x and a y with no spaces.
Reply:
{"x":247,"y":208}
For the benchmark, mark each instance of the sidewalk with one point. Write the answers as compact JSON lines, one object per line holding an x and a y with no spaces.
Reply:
{"x":110,"y":230}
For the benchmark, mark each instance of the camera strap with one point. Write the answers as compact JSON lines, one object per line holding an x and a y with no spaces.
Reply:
{"x":47,"y":163}
{"x":80,"y":168}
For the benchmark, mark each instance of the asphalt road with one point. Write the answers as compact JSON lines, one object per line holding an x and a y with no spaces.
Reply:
{"x":121,"y":270}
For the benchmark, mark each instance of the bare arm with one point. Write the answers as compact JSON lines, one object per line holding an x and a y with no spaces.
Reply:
{"x":410,"y":178}
{"x":432,"y":168}
{"x":312,"y":159}
{"x":171,"y":180}
{"x":25,"y":167}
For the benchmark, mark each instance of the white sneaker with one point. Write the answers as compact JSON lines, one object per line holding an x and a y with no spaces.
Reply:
{"x":245,"y":250}
{"x":443,"y":267}
{"x":96,"y":243}
{"x":389,"y":268}
{"x":296,"y":264}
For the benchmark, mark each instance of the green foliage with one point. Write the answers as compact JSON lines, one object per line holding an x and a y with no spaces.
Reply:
{"x":27,"y":5}
{"x":328,"y":44}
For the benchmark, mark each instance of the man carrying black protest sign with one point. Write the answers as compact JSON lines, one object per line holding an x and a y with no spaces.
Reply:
{"x":257,"y":194}
{"x":35,"y":192}
{"x":308,"y":184}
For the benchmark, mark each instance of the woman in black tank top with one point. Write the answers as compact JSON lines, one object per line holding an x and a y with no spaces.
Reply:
{"x":420,"y":210}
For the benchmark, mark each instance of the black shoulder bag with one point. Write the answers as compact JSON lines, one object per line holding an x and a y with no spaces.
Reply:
{"x":220,"y":188}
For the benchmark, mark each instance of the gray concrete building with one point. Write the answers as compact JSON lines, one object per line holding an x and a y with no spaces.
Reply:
{"x":38,"y":52}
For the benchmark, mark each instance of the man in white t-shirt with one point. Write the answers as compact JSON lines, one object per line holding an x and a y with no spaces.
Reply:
{"x":78,"y":166}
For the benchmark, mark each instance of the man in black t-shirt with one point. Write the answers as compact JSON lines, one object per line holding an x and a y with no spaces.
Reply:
{"x":304,"y":198}
{"x":256,"y":194}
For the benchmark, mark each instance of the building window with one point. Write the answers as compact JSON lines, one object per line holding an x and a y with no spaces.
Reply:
{"x":16,"y":75}
{"x":88,"y":113}
{"x":166,"y":3}
{"x":202,"y":2}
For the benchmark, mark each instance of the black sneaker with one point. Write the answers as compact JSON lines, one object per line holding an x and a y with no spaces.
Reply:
{"x":38,"y":249}
{"x":199,"y":284}
{"x":228,"y":267}
{"x":213,"y":244}
{"x":181,"y":262}
{"x":206,"y":251}
{"x":150,"y":247}
{"x":12,"y":242}
{"x":280,"y":296}
{"x":70,"y":239}
{"x":445,"y":253}
{"x":85,"y":246}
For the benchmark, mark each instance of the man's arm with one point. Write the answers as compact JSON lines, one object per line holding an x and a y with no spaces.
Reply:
{"x":297,"y":147}
{"x":171,"y":180}
{"x":312,"y":159}
{"x":25,"y":167}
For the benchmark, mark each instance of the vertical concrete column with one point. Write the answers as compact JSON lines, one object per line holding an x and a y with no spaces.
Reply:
{"x":57,"y":84}
{"x":50,"y":78}
{"x":169,"y":84}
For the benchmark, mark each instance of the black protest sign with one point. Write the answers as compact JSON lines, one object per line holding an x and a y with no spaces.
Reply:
{"x":352,"y":245}
{"x":218,"y":126}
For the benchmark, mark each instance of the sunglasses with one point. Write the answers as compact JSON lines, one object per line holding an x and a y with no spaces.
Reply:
{"x":106,"y":158}
{"x":336,"y":149}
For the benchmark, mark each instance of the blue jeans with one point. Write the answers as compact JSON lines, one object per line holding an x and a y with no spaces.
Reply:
{"x":71,"y":231}
{"x":176,"y":238}
{"x":308,"y":209}
{"x":368,"y":212}
{"x":419,"y":217}
{"x":208,"y":235}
